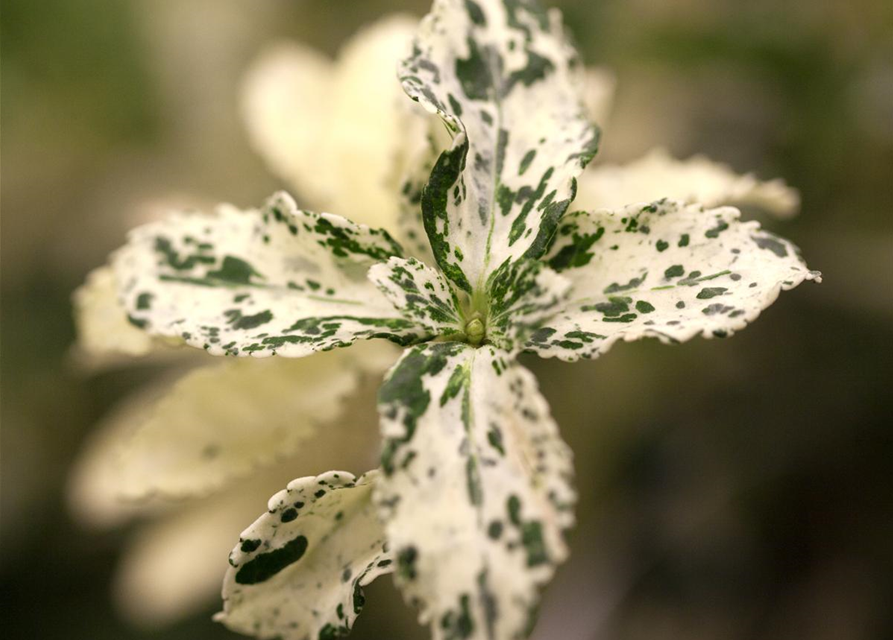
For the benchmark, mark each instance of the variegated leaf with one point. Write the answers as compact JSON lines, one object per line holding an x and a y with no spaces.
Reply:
{"x":476,"y":489}
{"x":279,"y":281}
{"x":667,"y":270}
{"x":420,"y":294}
{"x":696,"y":180}
{"x":428,"y":144}
{"x":299,"y":571}
{"x":523,"y":295}
{"x":504,"y":79}
{"x":427,"y":148}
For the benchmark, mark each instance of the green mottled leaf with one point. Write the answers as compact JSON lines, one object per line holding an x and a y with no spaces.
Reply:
{"x":476,"y":489}
{"x":420,"y":294}
{"x":428,"y":147}
{"x":507,"y":84}
{"x":279,"y":281}
{"x":299,"y":570}
{"x":696,"y":180}
{"x":523,"y":295}
{"x":667,"y":270}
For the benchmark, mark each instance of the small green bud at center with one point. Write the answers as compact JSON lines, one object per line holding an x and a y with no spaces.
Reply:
{"x":474,"y":331}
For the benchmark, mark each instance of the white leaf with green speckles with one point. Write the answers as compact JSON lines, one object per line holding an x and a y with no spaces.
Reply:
{"x":696,"y":180}
{"x":279,"y":281}
{"x":476,"y":489}
{"x":233,"y":418}
{"x":667,"y":270}
{"x":598,"y":97}
{"x":523,"y":295}
{"x":420,"y":293}
{"x":506,"y":82}
{"x":410,"y":225}
{"x":298,"y":572}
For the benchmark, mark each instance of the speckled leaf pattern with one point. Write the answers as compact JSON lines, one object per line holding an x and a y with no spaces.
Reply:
{"x":476,"y":489}
{"x":667,"y":270}
{"x":299,"y":570}
{"x":523,"y":295}
{"x":508,"y":85}
{"x":696,"y":180}
{"x":420,"y":294}
{"x":278,"y":281}
{"x":428,"y":147}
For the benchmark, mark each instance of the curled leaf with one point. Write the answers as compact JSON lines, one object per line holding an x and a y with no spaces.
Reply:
{"x":299,"y":571}
{"x":505,"y":81}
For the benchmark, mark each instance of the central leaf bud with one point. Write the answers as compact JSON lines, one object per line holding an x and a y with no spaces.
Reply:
{"x":474,"y":330}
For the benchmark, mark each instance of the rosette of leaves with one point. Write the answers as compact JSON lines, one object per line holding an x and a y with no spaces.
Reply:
{"x":190,"y":456}
{"x":474,"y":496}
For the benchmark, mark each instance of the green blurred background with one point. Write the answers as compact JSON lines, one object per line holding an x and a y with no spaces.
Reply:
{"x":729,"y":489}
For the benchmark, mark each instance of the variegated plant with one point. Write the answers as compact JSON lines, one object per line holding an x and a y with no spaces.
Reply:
{"x":474,"y":496}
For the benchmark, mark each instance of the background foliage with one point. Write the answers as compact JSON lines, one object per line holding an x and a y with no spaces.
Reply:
{"x":729,"y":490}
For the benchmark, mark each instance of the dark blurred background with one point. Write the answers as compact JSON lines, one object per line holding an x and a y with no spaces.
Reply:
{"x":738,"y":489}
